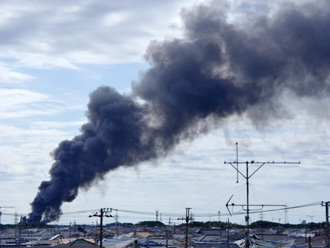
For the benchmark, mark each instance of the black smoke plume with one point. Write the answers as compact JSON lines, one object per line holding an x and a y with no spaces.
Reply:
{"x":218,"y":69}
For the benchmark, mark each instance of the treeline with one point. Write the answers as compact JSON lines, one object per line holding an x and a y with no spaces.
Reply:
{"x":268,"y":224}
{"x":207,"y":224}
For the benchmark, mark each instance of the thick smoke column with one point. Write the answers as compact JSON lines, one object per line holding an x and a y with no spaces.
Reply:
{"x":217,"y":70}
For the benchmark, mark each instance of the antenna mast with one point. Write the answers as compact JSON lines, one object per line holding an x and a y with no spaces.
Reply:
{"x":247,"y":176}
{"x":237,"y":160}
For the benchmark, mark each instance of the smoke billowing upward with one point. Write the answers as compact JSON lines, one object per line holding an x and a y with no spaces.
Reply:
{"x":217,"y":70}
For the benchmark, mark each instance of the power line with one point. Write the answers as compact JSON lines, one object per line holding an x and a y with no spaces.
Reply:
{"x":80,"y":212}
{"x":208,"y":214}
{"x":196,"y":215}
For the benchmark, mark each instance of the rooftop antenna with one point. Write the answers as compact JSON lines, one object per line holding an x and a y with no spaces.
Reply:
{"x":237,"y":161}
{"x":247,"y":176}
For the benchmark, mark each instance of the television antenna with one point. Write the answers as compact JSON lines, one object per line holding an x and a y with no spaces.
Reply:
{"x":247,"y":176}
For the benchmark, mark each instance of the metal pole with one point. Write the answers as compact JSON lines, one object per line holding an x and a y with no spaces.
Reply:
{"x":101,"y":227}
{"x":103,"y":213}
{"x":1,"y":229}
{"x":237,"y":161}
{"x":116,"y":224}
{"x":20,"y":232}
{"x":187,"y":224}
{"x":327,"y":224}
{"x":247,"y":243}
{"x":247,"y":176}
{"x":262,"y":227}
{"x":228,"y":233}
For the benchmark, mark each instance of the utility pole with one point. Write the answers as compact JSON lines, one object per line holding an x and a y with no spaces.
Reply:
{"x":20,"y":232}
{"x":103,"y":213}
{"x":116,"y":216}
{"x":262,"y":225}
{"x":237,"y":162}
{"x":327,"y":222}
{"x":228,"y":226}
{"x":286,"y":221}
{"x":247,"y":176}
{"x":327,"y":235}
{"x":187,"y":225}
{"x":187,"y":218}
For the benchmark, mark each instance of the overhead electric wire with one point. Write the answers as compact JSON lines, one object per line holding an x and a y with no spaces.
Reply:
{"x":196,"y":215}
{"x":80,"y":212}
{"x":278,"y":209}
{"x":287,"y":208}
{"x":133,"y":211}
{"x":202,"y":214}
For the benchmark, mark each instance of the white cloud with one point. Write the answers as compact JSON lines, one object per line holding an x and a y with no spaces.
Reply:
{"x":14,"y":134}
{"x":114,"y":19}
{"x":42,"y":60}
{"x":20,"y":103}
{"x":55,"y":124}
{"x":10,"y":76}
{"x":63,"y":34}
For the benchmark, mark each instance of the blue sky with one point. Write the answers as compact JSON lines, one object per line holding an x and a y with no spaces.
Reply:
{"x":54,"y":54}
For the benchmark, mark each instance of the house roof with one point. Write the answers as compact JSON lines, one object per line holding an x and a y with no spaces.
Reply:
{"x":57,"y":236}
{"x":78,"y":243}
{"x":148,"y":243}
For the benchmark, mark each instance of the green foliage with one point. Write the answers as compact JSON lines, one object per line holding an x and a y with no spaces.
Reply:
{"x":82,"y":230}
{"x":210,"y":224}
{"x":268,"y":224}
{"x":151,"y":224}
{"x":264,"y":224}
